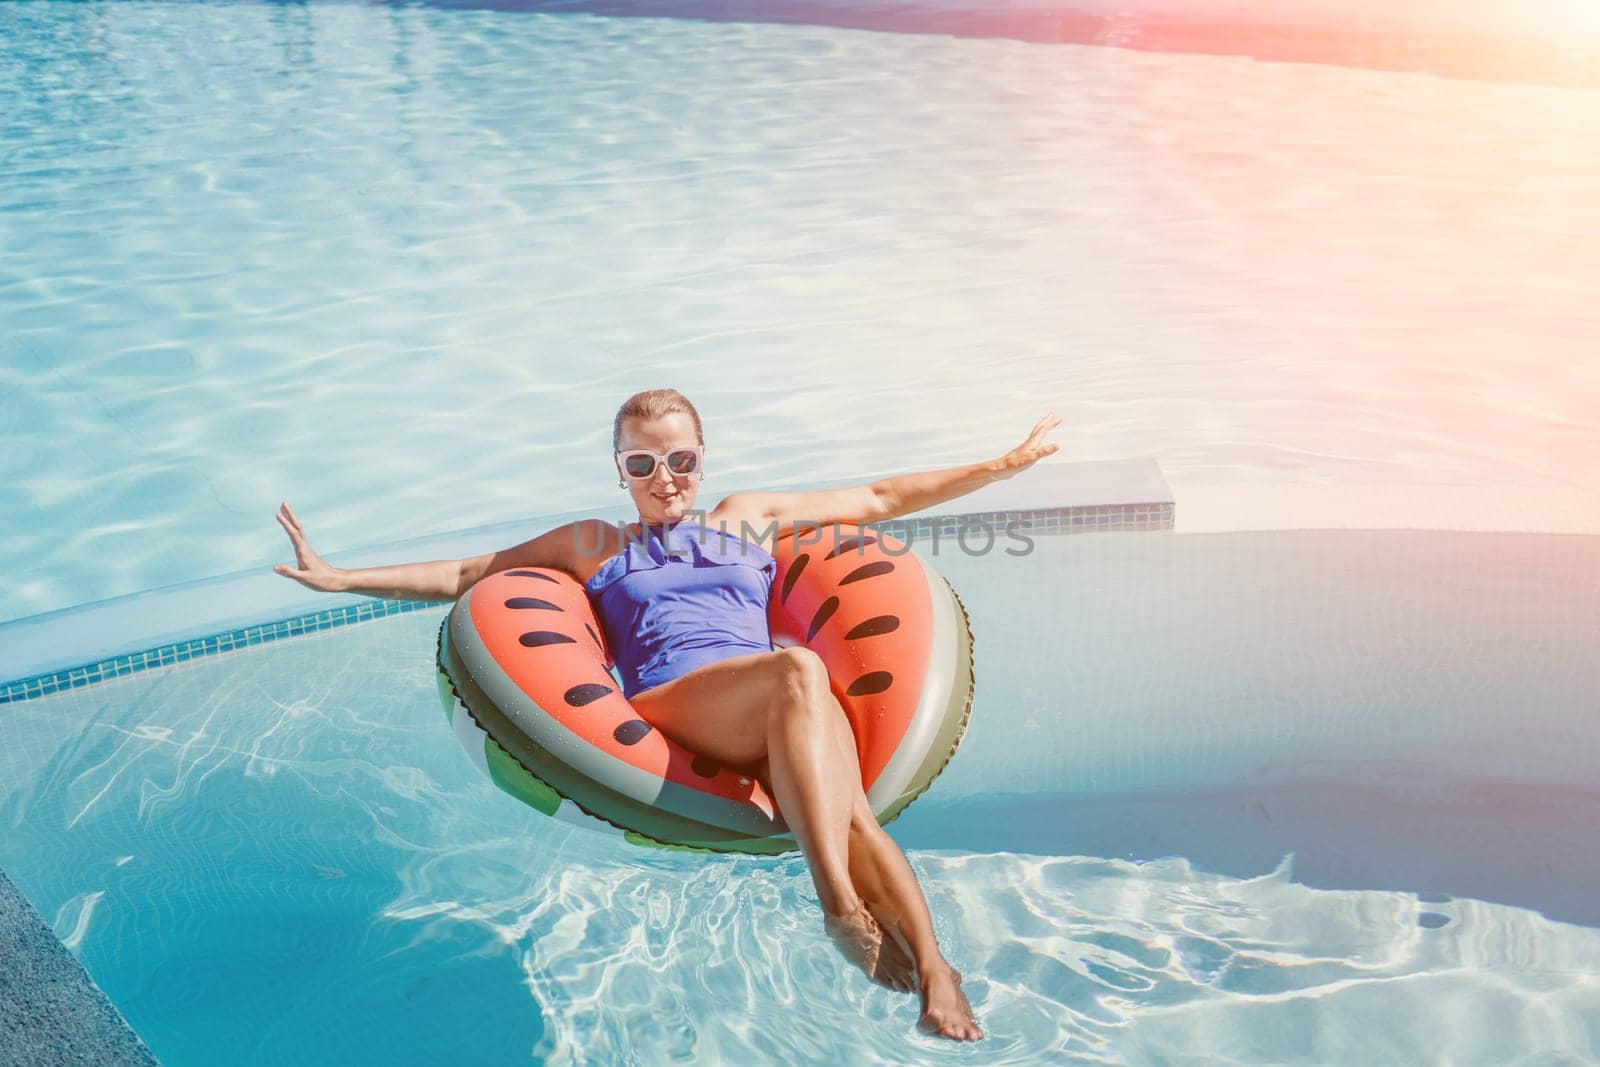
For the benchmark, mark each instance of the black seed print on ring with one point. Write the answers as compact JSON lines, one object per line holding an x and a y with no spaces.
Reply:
{"x":851,"y":544}
{"x":867,"y":570}
{"x":869,"y":683}
{"x":530,"y":574}
{"x":824,"y":613}
{"x":795,"y":570}
{"x":878,"y":624}
{"x":587,"y":693}
{"x":630,"y":732}
{"x":540,"y":638}
{"x":597,"y":642}
{"x":705,"y":766}
{"x":531,"y":602}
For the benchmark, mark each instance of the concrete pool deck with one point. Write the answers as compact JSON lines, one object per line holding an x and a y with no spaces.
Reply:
{"x":50,"y":1009}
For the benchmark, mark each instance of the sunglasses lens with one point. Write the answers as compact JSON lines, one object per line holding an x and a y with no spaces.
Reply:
{"x":682,"y":461}
{"x":639,"y":466}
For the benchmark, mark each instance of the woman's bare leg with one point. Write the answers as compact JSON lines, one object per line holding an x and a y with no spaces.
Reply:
{"x":810,"y":781}
{"x":809,"y":758}
{"x":766,"y":708}
{"x":770,"y":708}
{"x":889,"y":887}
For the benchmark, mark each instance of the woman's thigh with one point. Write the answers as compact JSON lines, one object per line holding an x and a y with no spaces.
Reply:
{"x":719,"y":709}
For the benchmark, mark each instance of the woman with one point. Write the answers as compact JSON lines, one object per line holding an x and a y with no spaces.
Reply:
{"x":705,"y":674}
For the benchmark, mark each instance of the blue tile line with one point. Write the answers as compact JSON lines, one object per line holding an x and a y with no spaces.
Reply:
{"x":1039,"y":521}
{"x":41,"y":685}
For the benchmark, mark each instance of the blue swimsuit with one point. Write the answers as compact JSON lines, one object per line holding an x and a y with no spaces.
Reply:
{"x":683,"y":597}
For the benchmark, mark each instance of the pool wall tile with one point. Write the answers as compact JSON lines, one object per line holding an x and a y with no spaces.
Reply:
{"x":195,"y":648}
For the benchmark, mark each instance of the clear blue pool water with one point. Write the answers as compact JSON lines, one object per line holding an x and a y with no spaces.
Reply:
{"x":398,"y":264}
{"x":1262,"y":797}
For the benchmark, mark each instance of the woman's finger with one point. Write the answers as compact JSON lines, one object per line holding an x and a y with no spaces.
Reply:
{"x":296,"y":538}
{"x":290,"y":519}
{"x":286,"y":527}
{"x":1034,"y":438}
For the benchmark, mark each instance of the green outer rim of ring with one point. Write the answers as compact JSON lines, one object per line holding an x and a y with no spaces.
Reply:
{"x":927,"y":779}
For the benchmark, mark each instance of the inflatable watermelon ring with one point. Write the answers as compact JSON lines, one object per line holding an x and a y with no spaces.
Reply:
{"x":525,"y":679}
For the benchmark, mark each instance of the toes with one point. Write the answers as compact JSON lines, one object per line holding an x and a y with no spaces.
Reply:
{"x":935,"y":1025}
{"x":898,"y":982}
{"x":896,"y":967}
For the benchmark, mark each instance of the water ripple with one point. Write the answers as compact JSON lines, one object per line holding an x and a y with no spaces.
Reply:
{"x":399,"y":264}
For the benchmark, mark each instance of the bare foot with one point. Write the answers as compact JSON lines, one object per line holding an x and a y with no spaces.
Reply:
{"x":865,"y":944}
{"x":945,"y":1010}
{"x":894,"y":960}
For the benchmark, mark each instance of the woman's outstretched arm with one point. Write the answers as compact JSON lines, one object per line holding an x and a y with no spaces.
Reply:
{"x":890,"y":498}
{"x":440,"y":579}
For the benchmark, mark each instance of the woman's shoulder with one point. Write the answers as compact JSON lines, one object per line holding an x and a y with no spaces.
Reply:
{"x":595,"y":543}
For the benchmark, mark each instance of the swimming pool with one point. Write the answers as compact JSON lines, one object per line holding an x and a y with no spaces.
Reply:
{"x":242,"y":242}
{"x":1290,"y":795}
{"x":1337,"y":778}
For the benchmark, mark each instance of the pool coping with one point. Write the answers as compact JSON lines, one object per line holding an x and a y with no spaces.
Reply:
{"x":51,"y":1010}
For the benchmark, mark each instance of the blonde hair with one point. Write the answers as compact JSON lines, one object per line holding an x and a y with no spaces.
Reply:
{"x":654,"y":404}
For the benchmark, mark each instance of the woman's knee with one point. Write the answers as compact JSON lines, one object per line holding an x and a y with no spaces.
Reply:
{"x":802,"y":676}
{"x":862,"y":820}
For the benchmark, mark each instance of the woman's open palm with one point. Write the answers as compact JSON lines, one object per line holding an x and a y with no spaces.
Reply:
{"x":1032,"y":450}
{"x":310,"y":569}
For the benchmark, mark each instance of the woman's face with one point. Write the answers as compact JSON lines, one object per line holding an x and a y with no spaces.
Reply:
{"x":664,"y":496}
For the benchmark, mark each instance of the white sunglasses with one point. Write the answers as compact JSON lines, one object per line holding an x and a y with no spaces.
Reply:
{"x":640,"y":463}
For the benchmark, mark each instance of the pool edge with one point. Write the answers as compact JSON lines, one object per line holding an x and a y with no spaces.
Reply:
{"x":51,"y":1010}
